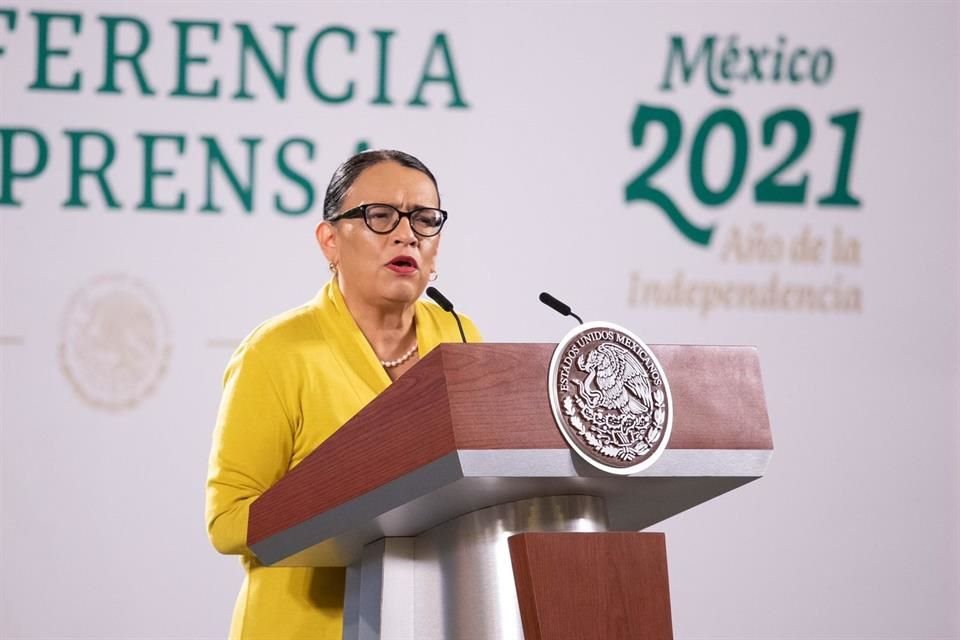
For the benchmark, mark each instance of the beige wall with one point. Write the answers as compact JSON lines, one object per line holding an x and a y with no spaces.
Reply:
{"x":853,"y":533}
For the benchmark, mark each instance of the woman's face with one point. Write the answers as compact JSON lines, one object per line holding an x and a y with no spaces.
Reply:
{"x":376,"y":268}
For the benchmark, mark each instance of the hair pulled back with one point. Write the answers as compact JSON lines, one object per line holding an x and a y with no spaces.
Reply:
{"x":348,"y":172}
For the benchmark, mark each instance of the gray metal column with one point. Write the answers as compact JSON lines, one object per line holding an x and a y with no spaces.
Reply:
{"x":455,"y":581}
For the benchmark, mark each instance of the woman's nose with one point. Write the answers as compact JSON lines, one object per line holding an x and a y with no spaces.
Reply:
{"x":404,"y":234}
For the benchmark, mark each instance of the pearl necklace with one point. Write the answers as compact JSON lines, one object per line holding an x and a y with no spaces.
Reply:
{"x":389,"y":364}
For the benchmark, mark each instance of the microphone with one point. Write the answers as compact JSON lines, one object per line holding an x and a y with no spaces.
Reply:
{"x":446,"y":305}
{"x":556,"y":305}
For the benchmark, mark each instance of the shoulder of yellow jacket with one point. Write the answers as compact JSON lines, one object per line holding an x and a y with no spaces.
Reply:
{"x":282,"y":330}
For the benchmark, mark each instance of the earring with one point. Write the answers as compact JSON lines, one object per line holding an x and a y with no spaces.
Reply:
{"x":433,"y":276}
{"x":333,"y":268}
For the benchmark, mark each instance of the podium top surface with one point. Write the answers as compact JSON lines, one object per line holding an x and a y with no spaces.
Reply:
{"x":470,"y":426}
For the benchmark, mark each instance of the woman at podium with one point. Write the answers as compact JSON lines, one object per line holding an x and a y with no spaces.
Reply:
{"x":301,"y":375}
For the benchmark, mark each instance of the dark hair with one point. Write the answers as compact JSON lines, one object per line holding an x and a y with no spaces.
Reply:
{"x":348,"y":172}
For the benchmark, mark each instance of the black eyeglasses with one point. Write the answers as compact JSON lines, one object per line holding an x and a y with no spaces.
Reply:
{"x":384,"y":218}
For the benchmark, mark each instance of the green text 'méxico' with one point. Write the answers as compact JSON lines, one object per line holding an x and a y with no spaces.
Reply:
{"x":725,"y":62}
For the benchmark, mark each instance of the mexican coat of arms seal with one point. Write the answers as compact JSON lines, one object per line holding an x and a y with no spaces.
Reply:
{"x":610,"y":398}
{"x":115,"y":343}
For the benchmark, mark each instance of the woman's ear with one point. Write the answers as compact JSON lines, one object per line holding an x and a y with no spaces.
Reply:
{"x":327,"y":239}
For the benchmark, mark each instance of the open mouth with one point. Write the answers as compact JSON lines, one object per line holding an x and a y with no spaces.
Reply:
{"x":402,"y":264}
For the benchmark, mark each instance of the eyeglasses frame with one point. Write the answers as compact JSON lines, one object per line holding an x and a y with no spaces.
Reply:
{"x":361,"y":212}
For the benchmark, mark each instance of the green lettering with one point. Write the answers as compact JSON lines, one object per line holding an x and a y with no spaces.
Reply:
{"x":641,"y":187}
{"x":678,"y":55}
{"x":311,"y":64}
{"x":243,"y":192}
{"x":841,"y":196}
{"x":287,"y":171}
{"x":770,"y":188}
{"x":112,"y":57}
{"x":151,"y":173}
{"x":794,"y":75}
{"x":448,"y":77}
{"x":77,"y":170}
{"x":185,"y":59}
{"x":733,"y":121}
{"x":45,"y":52}
{"x":8,"y":172}
{"x":383,"y":42}
{"x":250,"y":44}
{"x":11,"y":17}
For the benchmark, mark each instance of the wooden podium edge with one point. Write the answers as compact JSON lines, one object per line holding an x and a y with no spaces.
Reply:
{"x":583,"y":586}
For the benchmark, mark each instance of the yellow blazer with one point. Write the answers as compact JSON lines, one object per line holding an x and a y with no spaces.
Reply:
{"x":291,"y":383}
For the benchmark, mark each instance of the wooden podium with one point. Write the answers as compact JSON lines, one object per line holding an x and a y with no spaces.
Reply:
{"x":461,"y":512}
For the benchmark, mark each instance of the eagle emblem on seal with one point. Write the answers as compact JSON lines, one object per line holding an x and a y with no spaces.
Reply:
{"x":610,"y":398}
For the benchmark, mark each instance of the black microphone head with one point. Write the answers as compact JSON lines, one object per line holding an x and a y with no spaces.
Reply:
{"x":554,"y":304}
{"x":439,"y":298}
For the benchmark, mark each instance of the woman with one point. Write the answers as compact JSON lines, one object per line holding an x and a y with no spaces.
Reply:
{"x":300,"y":376}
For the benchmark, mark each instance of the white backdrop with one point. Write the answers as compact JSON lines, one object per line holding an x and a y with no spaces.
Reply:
{"x":115,"y":324}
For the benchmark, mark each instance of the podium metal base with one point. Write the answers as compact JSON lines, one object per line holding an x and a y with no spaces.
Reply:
{"x":455,"y":581}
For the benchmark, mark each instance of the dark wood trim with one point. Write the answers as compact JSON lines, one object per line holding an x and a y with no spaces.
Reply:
{"x":498,"y":396}
{"x":585,"y":586}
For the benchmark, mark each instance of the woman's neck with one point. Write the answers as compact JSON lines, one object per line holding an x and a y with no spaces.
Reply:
{"x":389,"y":329}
